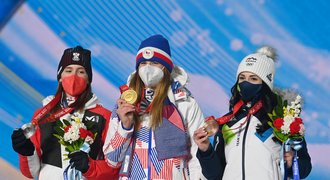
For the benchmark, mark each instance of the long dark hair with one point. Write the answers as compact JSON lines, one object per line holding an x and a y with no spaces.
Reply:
{"x":268,"y":98}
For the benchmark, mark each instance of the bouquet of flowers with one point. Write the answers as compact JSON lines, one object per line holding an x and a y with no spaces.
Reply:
{"x":286,"y":121}
{"x":73,"y":134}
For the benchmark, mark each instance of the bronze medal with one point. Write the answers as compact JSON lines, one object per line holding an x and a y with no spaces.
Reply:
{"x":211,"y":126}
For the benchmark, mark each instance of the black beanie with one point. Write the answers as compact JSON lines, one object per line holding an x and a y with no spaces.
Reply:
{"x":76,"y":55}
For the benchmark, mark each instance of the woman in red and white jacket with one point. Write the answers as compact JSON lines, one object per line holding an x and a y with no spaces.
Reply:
{"x":42,"y":156}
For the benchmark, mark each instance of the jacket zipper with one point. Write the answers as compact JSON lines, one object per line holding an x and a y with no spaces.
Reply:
{"x":243,"y":146}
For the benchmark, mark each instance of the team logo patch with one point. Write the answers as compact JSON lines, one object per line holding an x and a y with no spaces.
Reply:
{"x":75,"y":56}
{"x":92,"y":118}
{"x":251,"y":60}
{"x":270,"y":77}
{"x":147,"y":54}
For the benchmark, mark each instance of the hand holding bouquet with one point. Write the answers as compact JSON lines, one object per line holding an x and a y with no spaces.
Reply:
{"x":289,"y":128}
{"x":76,"y":136}
{"x":286,"y":121}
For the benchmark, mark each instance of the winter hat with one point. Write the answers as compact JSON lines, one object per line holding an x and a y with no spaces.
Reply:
{"x":155,"y":48}
{"x":260,"y":63}
{"x":76,"y":55}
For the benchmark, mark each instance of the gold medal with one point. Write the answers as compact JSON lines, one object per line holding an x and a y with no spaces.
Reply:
{"x":130,"y":96}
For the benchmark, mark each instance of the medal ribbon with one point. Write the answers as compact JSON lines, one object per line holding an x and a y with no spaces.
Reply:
{"x":144,"y":106}
{"x":71,"y":173}
{"x":288,"y":145}
{"x":224,"y":119}
{"x":123,"y":88}
{"x":37,"y":119}
{"x":295,"y":167}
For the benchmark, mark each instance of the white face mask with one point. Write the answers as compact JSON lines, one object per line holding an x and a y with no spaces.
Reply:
{"x":150,"y":75}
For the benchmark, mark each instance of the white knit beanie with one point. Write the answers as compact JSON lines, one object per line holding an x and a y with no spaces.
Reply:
{"x":260,"y":63}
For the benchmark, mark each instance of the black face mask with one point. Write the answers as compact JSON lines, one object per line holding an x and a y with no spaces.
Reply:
{"x":248,"y":90}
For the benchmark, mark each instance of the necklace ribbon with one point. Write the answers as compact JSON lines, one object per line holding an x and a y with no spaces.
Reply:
{"x":37,"y":120}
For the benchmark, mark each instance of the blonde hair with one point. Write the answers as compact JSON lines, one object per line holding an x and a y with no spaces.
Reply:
{"x":160,"y":96}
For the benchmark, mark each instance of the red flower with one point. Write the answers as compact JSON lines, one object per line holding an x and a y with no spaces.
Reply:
{"x":278,"y":123}
{"x":298,"y":120}
{"x":66,"y":129}
{"x":84,"y":133}
{"x":295,"y":127}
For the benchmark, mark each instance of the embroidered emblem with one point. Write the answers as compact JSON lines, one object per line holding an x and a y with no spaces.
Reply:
{"x":75,"y":56}
{"x":269,"y":77}
{"x":180,"y":94}
{"x":251,"y":59}
{"x":92,"y":118}
{"x":147,"y":54}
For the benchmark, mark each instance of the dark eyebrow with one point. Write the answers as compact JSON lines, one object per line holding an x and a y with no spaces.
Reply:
{"x":254,"y":75}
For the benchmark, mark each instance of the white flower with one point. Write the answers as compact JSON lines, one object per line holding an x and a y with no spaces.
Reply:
{"x":302,"y":129}
{"x":286,"y":125}
{"x":292,"y":104}
{"x":72,"y":134}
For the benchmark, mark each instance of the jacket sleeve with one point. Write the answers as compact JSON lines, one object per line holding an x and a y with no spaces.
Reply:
{"x":30,"y":165}
{"x":194,"y":118}
{"x":213,"y":161}
{"x":99,"y":169}
{"x":304,"y":162}
{"x":118,"y":140}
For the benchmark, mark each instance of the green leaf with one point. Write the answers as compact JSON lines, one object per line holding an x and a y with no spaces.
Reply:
{"x":62,"y":142}
{"x":285,"y":103}
{"x":66,"y":122}
{"x":89,"y":124}
{"x":272,"y":115}
{"x":69,"y":149}
{"x":271,"y":124}
{"x":281,"y":136}
{"x":59,"y":130}
{"x":58,"y":137}
{"x":59,"y":123}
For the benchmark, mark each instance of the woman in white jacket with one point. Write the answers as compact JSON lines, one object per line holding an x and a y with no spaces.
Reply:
{"x":152,"y":139}
{"x":245,"y":147}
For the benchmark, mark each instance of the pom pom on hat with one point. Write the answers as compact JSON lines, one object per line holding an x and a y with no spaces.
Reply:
{"x":76,"y":55}
{"x":260,"y":63}
{"x":155,"y":48}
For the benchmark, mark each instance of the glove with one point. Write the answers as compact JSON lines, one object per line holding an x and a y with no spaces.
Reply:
{"x":20,"y":144}
{"x":79,"y":160}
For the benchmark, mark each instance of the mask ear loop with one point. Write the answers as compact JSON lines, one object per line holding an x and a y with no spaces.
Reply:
{"x":238,"y":88}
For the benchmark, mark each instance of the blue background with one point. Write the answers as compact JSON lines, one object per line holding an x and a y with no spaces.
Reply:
{"x":208,"y":38}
